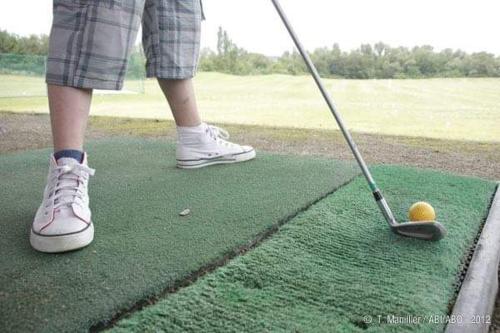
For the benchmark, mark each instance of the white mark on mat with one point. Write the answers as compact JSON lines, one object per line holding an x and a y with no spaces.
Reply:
{"x":185,"y":212}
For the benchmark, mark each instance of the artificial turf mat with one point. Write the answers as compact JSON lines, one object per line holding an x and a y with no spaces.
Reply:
{"x":142,"y":245}
{"x":336,"y":267}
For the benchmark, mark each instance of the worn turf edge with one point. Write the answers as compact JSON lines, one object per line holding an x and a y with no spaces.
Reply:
{"x":210,"y":267}
{"x":470,"y":255}
{"x":477,"y":300}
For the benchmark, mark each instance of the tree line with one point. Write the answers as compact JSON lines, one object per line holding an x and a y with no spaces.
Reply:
{"x":31,"y":45}
{"x":378,"y":61}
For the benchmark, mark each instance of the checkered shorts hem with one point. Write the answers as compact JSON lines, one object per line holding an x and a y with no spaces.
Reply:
{"x":170,"y":73}
{"x":85,"y":83}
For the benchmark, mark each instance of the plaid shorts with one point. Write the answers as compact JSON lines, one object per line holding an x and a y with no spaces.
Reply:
{"x":91,"y":40}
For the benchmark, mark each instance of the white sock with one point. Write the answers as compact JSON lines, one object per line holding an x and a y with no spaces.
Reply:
{"x":191,"y":135}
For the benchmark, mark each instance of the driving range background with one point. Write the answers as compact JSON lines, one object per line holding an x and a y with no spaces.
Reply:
{"x":454,"y":108}
{"x":323,"y":257}
{"x":331,"y":265}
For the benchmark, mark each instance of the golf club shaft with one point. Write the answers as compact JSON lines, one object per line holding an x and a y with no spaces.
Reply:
{"x":347,"y":135}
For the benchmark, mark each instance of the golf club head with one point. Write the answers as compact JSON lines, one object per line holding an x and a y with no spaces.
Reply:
{"x":427,"y":230}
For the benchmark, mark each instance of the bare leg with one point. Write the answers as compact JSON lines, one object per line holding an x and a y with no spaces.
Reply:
{"x":69,"y":110}
{"x":182,"y":100}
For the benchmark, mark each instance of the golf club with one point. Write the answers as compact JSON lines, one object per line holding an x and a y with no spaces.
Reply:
{"x":428,"y":230}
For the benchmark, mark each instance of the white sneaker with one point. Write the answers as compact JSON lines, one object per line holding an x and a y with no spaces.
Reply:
{"x":209,"y":147}
{"x":62,"y":223}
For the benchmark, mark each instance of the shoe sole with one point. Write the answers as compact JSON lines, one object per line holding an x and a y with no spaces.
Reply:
{"x":227,"y":159}
{"x":64,"y":243}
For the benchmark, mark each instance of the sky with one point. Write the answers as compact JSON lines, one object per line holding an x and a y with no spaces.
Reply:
{"x":470,"y":25}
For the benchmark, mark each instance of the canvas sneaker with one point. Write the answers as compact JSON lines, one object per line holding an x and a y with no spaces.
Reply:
{"x":63,"y":220}
{"x":211,"y":147}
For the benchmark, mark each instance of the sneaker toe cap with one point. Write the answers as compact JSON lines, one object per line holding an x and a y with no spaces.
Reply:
{"x":58,"y":228}
{"x":247,"y":149}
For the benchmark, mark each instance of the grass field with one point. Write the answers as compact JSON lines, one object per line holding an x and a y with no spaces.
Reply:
{"x":325,"y":269}
{"x":458,"y":109}
{"x":32,"y":86}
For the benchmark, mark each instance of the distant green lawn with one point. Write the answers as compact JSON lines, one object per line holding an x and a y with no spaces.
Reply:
{"x":461,"y":109}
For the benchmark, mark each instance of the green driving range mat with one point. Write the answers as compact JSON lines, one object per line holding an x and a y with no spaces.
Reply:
{"x":142,"y":245}
{"x":337,"y":268}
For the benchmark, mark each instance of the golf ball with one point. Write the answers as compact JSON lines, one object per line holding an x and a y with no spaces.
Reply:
{"x":421,"y":211}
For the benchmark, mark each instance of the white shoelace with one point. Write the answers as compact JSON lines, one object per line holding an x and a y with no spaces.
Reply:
{"x":220,"y":135}
{"x":217,"y":132}
{"x":69,"y":184}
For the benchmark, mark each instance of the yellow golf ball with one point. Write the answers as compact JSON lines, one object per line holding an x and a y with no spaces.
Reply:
{"x":421,"y":211}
